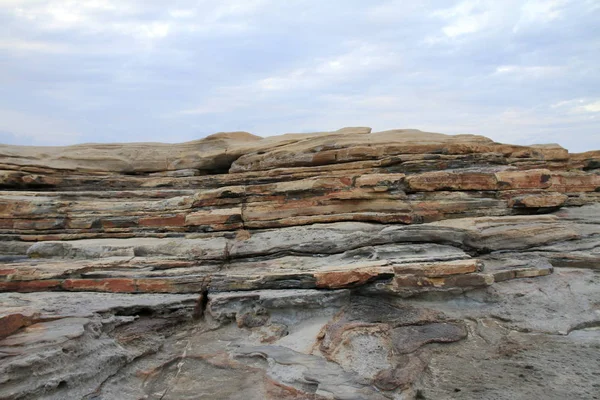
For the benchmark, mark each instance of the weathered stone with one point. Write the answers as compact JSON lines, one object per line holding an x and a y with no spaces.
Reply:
{"x":220,"y":219}
{"x":29,"y":286}
{"x":176,"y":220}
{"x":380,"y":182}
{"x":575,"y":181}
{"x":530,"y":179}
{"x":439,"y":269}
{"x":11,"y":323}
{"x":116,"y":285}
{"x":357,"y":257}
{"x":461,"y":180}
{"x":552,"y":200}
{"x":407,"y":339}
{"x":460,"y":281}
{"x":355,"y":275}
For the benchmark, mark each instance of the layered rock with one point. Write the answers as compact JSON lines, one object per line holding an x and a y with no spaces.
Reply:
{"x":290,"y":248}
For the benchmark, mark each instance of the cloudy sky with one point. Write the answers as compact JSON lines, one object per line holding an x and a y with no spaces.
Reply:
{"x":518,"y":71}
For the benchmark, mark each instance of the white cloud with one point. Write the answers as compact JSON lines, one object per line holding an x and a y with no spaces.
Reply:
{"x":534,"y":12}
{"x":228,"y":8}
{"x":592,"y":107}
{"x":153,"y":30}
{"x":128,"y":18}
{"x":567,"y":103}
{"x":396,"y":11}
{"x":69,"y":14}
{"x":20,"y":45}
{"x":362,"y":60}
{"x":593,"y":5}
{"x":535,"y":71}
{"x":578,"y":106}
{"x":467,"y":17}
{"x":471,"y":17}
{"x":91,"y":17}
{"x":182,"y":13}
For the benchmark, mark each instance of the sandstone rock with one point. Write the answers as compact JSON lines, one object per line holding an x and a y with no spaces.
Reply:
{"x":344,"y":264}
{"x":463,"y":180}
{"x":407,"y":339}
{"x":538,"y":201}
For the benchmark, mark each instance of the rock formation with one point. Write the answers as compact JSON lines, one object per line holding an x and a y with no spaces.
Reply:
{"x":335,"y":265}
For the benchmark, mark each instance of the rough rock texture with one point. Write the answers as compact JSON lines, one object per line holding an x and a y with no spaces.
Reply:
{"x":334,"y":265}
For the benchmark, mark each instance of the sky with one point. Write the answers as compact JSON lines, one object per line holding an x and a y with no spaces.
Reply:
{"x":517,"y":71}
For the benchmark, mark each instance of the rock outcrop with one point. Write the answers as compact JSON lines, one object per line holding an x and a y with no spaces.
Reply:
{"x":347,"y":265}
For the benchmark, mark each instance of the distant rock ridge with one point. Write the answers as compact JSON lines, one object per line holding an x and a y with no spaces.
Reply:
{"x":344,"y":259}
{"x":242,"y":151}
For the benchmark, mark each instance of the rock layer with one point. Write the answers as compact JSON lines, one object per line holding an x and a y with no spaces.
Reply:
{"x":344,"y":264}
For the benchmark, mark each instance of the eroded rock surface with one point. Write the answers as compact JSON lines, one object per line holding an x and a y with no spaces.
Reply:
{"x":335,"y":265}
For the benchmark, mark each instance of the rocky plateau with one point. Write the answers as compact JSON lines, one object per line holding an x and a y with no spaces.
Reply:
{"x":334,"y":265}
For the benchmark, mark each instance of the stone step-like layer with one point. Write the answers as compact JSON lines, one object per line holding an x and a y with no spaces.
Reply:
{"x":120,"y":276}
{"x":384,"y":198}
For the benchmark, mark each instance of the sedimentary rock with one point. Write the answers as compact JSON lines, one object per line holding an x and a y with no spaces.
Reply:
{"x":346,"y":264}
